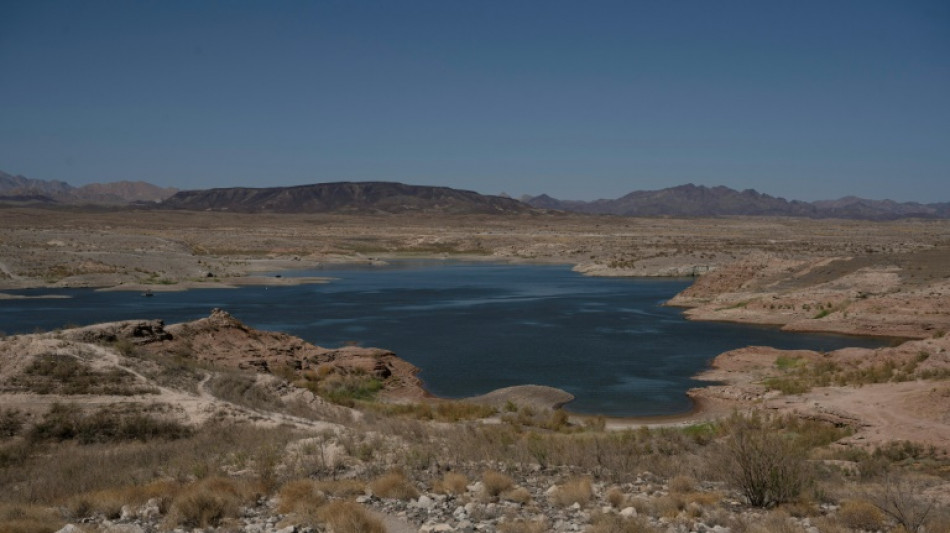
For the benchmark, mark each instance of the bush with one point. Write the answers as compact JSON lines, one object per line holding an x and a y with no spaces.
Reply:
{"x":393,"y":484}
{"x":349,"y":517}
{"x":452,"y":483}
{"x":300,"y":496}
{"x":764,"y":464}
{"x":11,"y":422}
{"x":495,"y":483}
{"x":576,"y":490}
{"x":860,"y":514}
{"x":611,"y":523}
{"x":207,"y":502}
{"x":28,"y":519}
{"x":901,"y":498}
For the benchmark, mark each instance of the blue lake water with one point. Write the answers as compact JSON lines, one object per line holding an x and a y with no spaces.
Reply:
{"x":471,"y":328}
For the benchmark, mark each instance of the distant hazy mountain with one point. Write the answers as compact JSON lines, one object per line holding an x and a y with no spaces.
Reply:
{"x":698,"y":200}
{"x":345,"y":197}
{"x":25,"y":190}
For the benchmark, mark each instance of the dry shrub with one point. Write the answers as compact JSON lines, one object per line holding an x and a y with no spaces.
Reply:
{"x":669,"y":506}
{"x":860,"y":514}
{"x":451,"y":483}
{"x":573,"y":491}
{"x":518,"y":495}
{"x":495,"y":483}
{"x":682,"y":484}
{"x":705,"y":499}
{"x":207,"y":502}
{"x":349,"y":517}
{"x":767,"y":466}
{"x":393,"y":484}
{"x":109,"y":502}
{"x":902,"y":498}
{"x":612,"y":523}
{"x":521,"y":525}
{"x":300,"y":496}
{"x":616,"y":497}
{"x":776,"y":522}
{"x":341,"y":488}
{"x":28,"y":519}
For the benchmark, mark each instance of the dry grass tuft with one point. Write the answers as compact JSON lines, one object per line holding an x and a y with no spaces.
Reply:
{"x":207,"y":502}
{"x":682,"y":484}
{"x":109,"y":502}
{"x":517,"y":494}
{"x":573,"y":491}
{"x":525,"y":526}
{"x":300,"y":496}
{"x":776,"y":522}
{"x":495,"y":483}
{"x":393,"y":484}
{"x":861,"y":514}
{"x":341,"y":488}
{"x":451,"y":483}
{"x":349,"y":517}
{"x":611,"y":523}
{"x":616,"y":497}
{"x":28,"y":519}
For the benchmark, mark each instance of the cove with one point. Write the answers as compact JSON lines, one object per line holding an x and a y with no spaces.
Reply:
{"x":470,"y":327}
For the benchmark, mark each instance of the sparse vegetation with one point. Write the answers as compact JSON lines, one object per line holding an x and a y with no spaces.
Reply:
{"x":341,"y":386}
{"x":68,"y":422}
{"x":64,"y":374}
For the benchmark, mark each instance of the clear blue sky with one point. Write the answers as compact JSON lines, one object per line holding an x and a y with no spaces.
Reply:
{"x":801,"y":99}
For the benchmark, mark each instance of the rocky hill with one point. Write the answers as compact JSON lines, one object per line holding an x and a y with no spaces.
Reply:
{"x":697,"y":200}
{"x":346,"y":197}
{"x":19,"y":189}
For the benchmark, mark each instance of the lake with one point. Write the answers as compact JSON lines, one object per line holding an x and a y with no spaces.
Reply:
{"x":470,"y":327}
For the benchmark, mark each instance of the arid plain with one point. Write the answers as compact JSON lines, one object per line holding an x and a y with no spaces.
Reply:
{"x":886,"y":279}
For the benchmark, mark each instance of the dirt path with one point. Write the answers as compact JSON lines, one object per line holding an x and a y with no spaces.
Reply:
{"x":917,"y":411}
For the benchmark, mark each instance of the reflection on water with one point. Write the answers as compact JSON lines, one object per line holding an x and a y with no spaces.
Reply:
{"x":471,"y":327}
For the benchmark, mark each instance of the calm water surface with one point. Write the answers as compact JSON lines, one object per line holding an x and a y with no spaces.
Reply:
{"x":471,"y":328}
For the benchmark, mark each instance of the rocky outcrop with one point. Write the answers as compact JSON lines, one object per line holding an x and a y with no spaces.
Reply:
{"x":224,"y":341}
{"x":137,"y":332}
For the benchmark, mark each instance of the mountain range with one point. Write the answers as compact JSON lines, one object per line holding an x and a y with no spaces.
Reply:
{"x":389,"y":197}
{"x":19,"y":189}
{"x":697,"y":200}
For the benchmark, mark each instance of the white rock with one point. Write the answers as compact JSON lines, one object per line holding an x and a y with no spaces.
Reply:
{"x":288,"y":529}
{"x":123,"y":528}
{"x":628,"y":512}
{"x":126,"y":513}
{"x":70,"y":528}
{"x":435,"y":528}
{"x":425,"y":502}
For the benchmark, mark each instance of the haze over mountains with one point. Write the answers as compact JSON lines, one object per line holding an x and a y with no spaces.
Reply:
{"x":19,"y":189}
{"x":390,"y":197}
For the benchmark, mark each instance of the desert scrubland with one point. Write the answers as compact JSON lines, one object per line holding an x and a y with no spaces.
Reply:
{"x":143,"y":426}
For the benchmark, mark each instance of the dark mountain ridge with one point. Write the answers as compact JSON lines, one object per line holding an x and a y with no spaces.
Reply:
{"x":346,"y":197}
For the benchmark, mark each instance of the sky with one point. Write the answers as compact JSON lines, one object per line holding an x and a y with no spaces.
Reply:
{"x":581,"y":100}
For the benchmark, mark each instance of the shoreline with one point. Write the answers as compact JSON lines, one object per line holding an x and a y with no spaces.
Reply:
{"x":701,"y":410}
